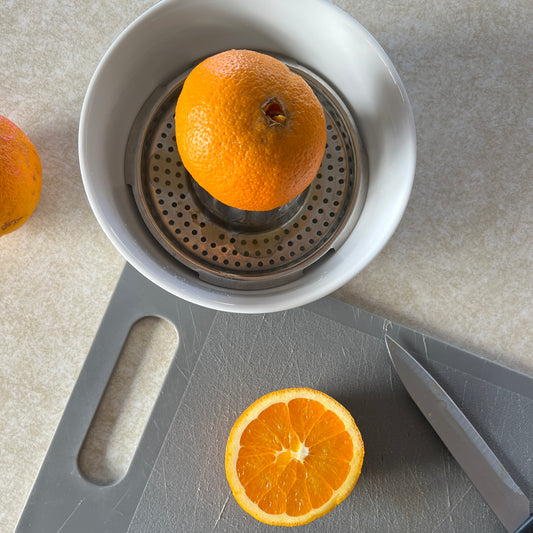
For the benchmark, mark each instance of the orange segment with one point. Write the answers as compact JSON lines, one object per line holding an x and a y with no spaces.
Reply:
{"x":276,"y":419}
{"x":248,"y":466}
{"x":298,"y":501}
{"x":257,"y":487}
{"x":292,"y":456}
{"x":304,"y":414}
{"x":259,"y":436}
{"x":274,"y":502}
{"x":337,"y":446}
{"x":330,"y":425}
{"x":332,"y":470}
{"x":320,"y":491}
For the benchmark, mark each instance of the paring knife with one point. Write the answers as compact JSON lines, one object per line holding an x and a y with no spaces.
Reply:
{"x":495,"y":484}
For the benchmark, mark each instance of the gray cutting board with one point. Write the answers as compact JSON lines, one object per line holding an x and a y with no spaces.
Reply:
{"x":176,"y":483}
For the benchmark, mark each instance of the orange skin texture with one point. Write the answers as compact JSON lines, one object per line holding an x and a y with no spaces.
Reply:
{"x":20,"y":177}
{"x":231,"y":145}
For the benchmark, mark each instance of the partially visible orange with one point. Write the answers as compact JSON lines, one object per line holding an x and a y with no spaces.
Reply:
{"x":250,"y":131}
{"x":292,"y":456}
{"x":20,"y":177}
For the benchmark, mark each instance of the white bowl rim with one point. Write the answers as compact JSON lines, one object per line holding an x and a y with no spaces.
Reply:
{"x":293,"y":294}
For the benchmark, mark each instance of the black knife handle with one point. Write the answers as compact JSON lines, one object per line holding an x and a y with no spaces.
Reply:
{"x":526,"y":527}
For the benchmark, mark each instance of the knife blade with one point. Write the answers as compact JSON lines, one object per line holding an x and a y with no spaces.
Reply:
{"x":489,"y":476}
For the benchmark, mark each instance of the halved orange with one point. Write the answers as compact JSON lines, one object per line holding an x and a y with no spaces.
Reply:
{"x":292,"y":456}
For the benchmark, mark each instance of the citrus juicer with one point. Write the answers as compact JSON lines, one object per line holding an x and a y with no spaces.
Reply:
{"x":240,"y":249}
{"x":183,"y":240}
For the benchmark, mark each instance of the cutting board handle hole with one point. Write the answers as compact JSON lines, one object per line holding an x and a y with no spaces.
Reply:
{"x":128,"y":399}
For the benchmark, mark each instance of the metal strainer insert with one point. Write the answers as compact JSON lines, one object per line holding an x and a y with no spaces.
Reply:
{"x":244,"y":249}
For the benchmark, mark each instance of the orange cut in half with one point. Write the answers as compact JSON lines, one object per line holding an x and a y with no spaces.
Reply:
{"x":292,"y":456}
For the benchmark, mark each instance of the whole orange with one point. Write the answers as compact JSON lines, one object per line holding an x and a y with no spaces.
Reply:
{"x":249,"y":130}
{"x":20,"y":177}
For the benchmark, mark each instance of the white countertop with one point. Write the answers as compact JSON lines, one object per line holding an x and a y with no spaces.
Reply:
{"x":459,"y":267}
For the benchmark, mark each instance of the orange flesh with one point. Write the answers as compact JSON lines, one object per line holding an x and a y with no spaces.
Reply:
{"x":301,"y":451}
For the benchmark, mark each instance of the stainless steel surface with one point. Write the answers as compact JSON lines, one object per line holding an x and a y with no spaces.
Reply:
{"x":245,"y":249}
{"x":467,"y":446}
{"x":176,"y":480}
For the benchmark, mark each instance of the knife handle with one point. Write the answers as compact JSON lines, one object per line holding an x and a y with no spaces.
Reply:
{"x":526,"y":527}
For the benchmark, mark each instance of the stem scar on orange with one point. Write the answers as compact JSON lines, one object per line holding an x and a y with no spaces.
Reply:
{"x":20,"y":177}
{"x":292,"y":456}
{"x":250,"y":131}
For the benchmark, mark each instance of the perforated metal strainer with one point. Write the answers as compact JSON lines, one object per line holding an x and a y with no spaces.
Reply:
{"x":245,"y":249}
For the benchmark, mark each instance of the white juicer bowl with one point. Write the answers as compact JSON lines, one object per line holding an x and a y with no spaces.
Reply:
{"x":165,"y":42}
